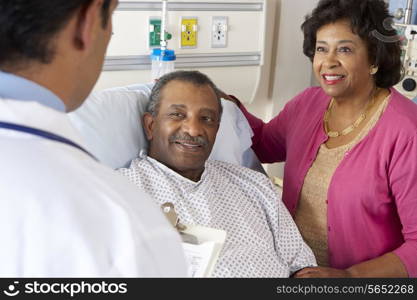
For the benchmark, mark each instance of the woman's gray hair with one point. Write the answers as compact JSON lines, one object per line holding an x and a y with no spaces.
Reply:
{"x":194,"y":77}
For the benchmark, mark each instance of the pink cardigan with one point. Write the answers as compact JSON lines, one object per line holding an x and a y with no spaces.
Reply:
{"x":372,"y":197}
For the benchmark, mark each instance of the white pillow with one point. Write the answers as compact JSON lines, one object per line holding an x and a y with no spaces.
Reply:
{"x":234,"y":135}
{"x":110,"y":123}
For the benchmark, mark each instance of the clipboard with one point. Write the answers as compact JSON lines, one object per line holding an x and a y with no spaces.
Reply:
{"x":202,"y":257}
{"x":201,"y":245}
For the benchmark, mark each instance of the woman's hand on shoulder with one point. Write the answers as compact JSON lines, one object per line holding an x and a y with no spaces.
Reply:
{"x":225,"y":96}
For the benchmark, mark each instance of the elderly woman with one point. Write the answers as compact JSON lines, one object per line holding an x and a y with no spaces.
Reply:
{"x":350,"y":147}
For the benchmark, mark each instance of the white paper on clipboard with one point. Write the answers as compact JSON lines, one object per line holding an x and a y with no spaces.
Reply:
{"x":202,"y":258}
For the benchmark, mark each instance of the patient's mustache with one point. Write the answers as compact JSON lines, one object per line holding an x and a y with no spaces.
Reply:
{"x":199,"y":140}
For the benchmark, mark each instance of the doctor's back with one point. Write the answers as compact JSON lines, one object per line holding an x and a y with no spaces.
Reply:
{"x":62,"y":214}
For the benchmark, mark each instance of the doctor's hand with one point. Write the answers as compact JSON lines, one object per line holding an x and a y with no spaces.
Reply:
{"x":322,"y":272}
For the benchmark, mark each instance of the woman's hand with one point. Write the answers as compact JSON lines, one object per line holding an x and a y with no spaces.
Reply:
{"x":387,"y":265}
{"x":227,"y":97}
{"x":322,"y":272}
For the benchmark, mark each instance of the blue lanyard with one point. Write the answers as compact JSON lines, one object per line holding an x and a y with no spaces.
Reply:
{"x":43,"y":134}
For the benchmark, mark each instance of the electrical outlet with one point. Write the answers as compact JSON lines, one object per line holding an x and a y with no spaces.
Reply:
{"x":154,"y":31}
{"x":189,"y":29}
{"x":219,"y":32}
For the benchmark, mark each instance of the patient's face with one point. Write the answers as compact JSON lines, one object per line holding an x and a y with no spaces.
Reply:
{"x":183,"y":132}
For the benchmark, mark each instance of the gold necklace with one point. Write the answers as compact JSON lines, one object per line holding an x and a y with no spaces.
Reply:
{"x":352,"y":126}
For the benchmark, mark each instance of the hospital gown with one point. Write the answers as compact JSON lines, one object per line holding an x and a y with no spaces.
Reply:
{"x":262,"y":239}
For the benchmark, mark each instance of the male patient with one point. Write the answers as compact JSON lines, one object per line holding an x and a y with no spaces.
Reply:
{"x":181,"y":125}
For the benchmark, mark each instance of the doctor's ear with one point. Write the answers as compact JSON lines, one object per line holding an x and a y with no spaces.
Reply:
{"x":87,"y":19}
{"x":148,"y":123}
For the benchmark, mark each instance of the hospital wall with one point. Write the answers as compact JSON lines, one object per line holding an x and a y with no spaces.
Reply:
{"x":263,"y":64}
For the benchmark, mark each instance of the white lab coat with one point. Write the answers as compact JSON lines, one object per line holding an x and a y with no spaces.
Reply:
{"x":62,"y":214}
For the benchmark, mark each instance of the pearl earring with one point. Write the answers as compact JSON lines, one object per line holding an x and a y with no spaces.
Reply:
{"x":374,"y":70}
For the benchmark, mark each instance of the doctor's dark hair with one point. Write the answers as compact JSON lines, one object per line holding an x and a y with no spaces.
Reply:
{"x":194,"y":77}
{"x":28,"y":27}
{"x":371,"y":21}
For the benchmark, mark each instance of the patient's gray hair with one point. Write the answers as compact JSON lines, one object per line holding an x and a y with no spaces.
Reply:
{"x":193,"y":77}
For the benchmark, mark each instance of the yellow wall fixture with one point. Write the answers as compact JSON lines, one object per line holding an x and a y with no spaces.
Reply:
{"x":189,"y":29}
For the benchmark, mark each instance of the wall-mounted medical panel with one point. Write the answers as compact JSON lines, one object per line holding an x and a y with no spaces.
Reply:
{"x":238,"y":52}
{"x":244,"y":32}
{"x":219,"y":30}
{"x":189,"y":32}
{"x":154,"y":32}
